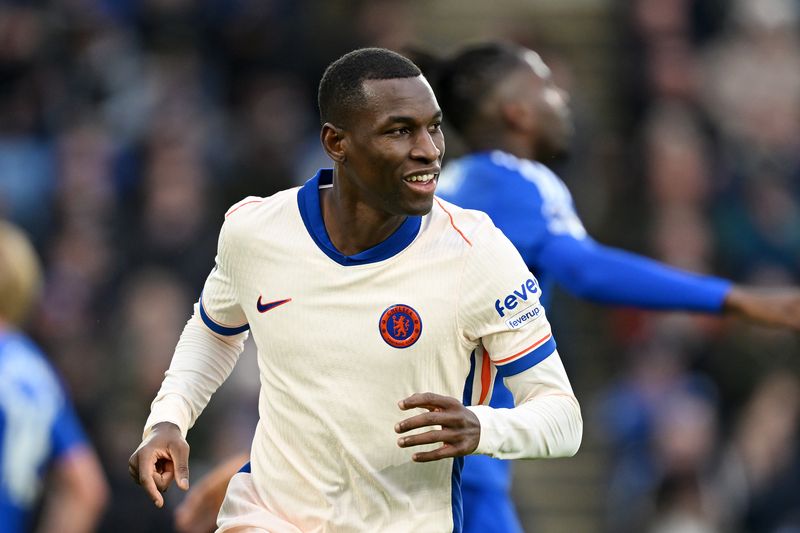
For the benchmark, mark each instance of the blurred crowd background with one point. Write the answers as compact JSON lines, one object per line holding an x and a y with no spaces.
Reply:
{"x":127,"y":127}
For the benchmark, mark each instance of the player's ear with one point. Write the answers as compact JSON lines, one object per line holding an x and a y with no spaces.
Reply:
{"x":333,"y":141}
{"x":516,"y":115}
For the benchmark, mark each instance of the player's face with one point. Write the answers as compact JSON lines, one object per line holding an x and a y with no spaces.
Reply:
{"x":550,"y":104}
{"x":394,"y":146}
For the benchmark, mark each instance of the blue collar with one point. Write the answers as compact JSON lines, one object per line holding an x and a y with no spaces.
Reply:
{"x":311,"y":212}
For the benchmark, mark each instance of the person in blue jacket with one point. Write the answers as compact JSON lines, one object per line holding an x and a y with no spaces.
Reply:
{"x":502,"y":100}
{"x":43,"y":449}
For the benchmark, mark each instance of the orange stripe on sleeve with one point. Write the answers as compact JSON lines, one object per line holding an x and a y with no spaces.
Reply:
{"x":236,"y":207}
{"x":526,"y":350}
{"x":486,"y":377}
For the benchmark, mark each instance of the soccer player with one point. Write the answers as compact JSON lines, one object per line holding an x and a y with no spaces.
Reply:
{"x":39,"y":432}
{"x":379,"y":312}
{"x":502,"y":101}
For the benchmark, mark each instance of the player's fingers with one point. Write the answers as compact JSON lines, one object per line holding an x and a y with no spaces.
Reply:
{"x":150,"y":487}
{"x":429,"y":437}
{"x":164,"y":476}
{"x":427,"y":400}
{"x":444,"y":452}
{"x":432,"y":418}
{"x":133,"y":466}
{"x":180,"y":457}
{"x":133,"y":471}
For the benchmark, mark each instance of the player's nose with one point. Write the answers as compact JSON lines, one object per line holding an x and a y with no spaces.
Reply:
{"x":425,"y":148}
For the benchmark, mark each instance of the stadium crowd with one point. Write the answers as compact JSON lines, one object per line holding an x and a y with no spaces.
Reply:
{"x":128,"y":127}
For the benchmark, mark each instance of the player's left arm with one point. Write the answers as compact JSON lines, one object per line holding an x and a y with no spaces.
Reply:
{"x":501,"y":312}
{"x":505,"y":313}
{"x":546,"y":421}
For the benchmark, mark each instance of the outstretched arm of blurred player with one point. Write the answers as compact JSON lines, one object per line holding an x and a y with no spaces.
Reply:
{"x":198,"y":511}
{"x":203,"y":360}
{"x":611,"y":276}
{"x":76,"y":495}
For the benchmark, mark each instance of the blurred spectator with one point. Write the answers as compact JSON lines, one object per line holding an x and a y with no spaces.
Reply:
{"x":660,"y":419}
{"x":759,"y":477}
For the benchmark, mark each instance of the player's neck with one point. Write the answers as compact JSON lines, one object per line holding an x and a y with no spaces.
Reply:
{"x":354,"y":226}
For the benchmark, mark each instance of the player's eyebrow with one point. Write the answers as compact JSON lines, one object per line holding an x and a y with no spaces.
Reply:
{"x":411,"y":120}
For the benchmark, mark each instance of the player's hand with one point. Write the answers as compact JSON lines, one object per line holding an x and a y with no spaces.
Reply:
{"x":160,"y":459}
{"x":460,"y":429}
{"x":769,"y":307}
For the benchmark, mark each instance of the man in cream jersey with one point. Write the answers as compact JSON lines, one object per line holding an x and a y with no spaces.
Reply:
{"x":382,"y":315}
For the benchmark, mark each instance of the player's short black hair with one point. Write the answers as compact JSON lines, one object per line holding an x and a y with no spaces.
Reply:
{"x":463,"y":81}
{"x":341,"y":89}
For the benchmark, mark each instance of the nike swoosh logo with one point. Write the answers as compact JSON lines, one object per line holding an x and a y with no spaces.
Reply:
{"x":264,"y":307}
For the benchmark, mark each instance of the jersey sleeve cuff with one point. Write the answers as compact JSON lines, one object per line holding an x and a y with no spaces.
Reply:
{"x":217,"y":327}
{"x":490,"y":436}
{"x":170,"y":408}
{"x":538,"y":353}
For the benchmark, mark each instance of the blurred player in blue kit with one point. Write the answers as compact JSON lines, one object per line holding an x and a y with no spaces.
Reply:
{"x":504,"y":104}
{"x":43,"y":450}
{"x":501,"y":99}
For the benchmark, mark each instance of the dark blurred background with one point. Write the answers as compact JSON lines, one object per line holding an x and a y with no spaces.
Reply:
{"x":127,"y":127}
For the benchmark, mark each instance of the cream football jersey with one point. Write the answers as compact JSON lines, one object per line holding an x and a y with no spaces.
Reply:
{"x":440,"y":306}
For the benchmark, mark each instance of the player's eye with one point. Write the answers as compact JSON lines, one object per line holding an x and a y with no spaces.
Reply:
{"x":405,"y":130}
{"x":435,"y":127}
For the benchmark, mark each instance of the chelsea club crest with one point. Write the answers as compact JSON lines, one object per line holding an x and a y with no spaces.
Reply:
{"x":400,"y":326}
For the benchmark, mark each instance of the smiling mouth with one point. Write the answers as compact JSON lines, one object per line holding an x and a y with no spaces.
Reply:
{"x":421,"y":178}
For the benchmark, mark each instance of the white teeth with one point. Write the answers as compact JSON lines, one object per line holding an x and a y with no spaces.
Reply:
{"x":424,"y":178}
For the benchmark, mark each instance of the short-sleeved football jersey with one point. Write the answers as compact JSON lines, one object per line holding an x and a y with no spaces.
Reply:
{"x":439,"y":306}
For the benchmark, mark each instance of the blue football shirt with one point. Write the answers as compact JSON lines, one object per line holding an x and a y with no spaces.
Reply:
{"x":534,"y":208}
{"x":37,"y":426}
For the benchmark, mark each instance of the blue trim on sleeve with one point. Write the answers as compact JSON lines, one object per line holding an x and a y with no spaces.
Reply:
{"x":529,"y":360}
{"x":245,"y":468}
{"x":219,"y":328}
{"x":311,"y":213}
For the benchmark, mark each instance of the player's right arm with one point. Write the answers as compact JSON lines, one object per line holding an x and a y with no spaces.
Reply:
{"x":206,"y":353}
